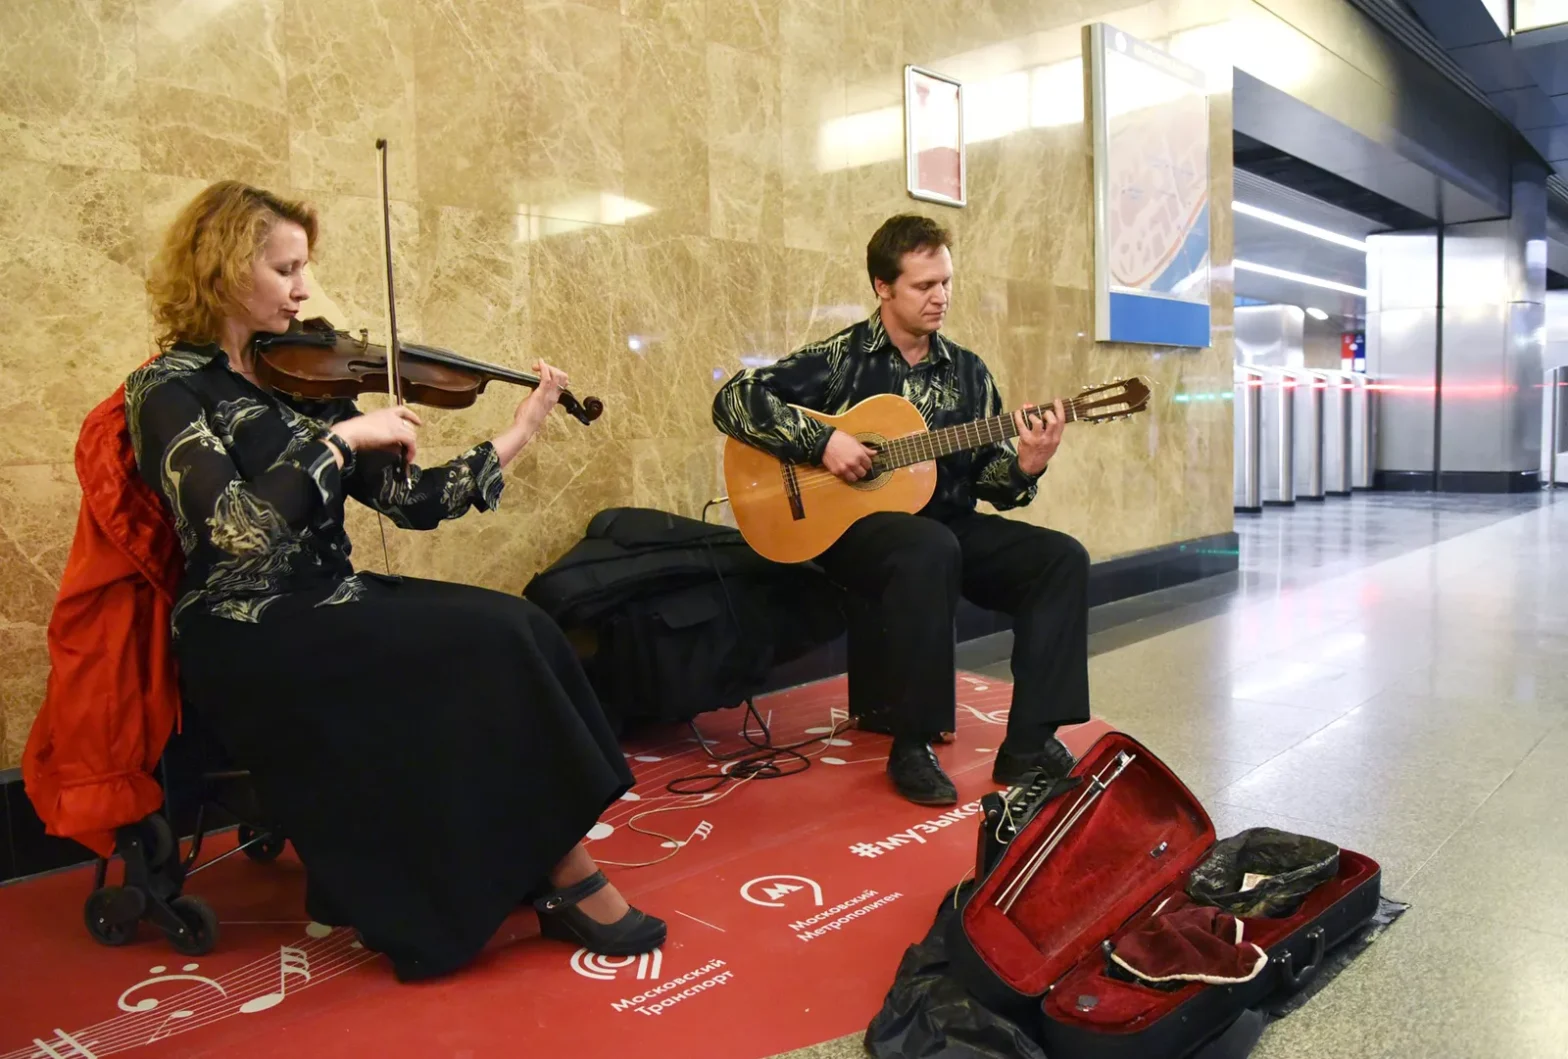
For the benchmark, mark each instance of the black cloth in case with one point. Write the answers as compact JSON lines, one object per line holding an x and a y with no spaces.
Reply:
{"x":1290,"y":866}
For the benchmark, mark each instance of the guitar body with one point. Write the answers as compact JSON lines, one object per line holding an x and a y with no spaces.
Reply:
{"x":794,"y":526}
{"x":792,"y":513}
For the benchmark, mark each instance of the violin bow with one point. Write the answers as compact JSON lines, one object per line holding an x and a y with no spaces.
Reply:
{"x":394,"y":375}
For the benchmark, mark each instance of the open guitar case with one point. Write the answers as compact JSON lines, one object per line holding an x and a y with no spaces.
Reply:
{"x":1050,"y":963}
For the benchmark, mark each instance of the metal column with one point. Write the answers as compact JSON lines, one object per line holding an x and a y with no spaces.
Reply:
{"x":1248,"y":410}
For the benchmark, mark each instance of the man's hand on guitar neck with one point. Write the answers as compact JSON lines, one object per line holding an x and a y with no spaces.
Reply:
{"x":1039,"y":434}
{"x":846,"y":457}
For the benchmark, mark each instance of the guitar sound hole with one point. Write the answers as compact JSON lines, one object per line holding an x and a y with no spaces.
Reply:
{"x":878,"y":477}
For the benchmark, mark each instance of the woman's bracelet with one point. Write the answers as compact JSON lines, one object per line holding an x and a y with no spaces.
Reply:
{"x":343,"y":448}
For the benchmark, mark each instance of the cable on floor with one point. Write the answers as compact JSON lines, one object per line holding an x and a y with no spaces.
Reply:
{"x":758,"y":760}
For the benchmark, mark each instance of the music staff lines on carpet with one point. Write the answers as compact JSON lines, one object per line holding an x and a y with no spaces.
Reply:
{"x":249,"y":989}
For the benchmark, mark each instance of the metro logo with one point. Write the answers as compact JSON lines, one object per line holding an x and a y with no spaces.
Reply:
{"x":782,"y":886}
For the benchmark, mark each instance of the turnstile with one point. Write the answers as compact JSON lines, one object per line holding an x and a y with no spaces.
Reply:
{"x":1554,"y":427}
{"x":1277,"y":416}
{"x":1248,"y":431}
{"x":1363,"y":431}
{"x":1337,"y":420}
{"x":1307,"y":437}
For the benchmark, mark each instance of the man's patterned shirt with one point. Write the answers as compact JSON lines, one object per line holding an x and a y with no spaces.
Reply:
{"x":950,"y":386}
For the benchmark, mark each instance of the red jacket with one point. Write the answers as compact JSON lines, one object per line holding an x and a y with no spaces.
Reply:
{"x":113,"y":695}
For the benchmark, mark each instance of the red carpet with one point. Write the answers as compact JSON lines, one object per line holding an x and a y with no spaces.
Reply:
{"x":790,"y":902}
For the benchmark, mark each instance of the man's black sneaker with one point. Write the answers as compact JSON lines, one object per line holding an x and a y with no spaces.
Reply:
{"x":1053,"y":759}
{"x":914,"y":770}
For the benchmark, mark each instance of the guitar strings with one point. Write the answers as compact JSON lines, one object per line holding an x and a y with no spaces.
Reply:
{"x":808,"y":476}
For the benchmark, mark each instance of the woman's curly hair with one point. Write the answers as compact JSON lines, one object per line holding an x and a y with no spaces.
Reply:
{"x":204,"y":265}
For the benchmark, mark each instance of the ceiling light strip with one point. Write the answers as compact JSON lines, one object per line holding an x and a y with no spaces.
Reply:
{"x":1298,"y":226}
{"x":1280,"y":273}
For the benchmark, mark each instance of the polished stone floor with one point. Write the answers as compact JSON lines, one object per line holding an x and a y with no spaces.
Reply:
{"x":1389,"y":672}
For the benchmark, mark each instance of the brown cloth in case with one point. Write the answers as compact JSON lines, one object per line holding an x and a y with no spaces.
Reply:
{"x":1187,"y":942}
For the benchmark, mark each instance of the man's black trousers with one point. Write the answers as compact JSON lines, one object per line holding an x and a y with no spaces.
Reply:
{"x":908,"y":572}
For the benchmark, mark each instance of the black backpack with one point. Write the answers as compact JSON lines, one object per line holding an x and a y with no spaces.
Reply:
{"x":677,"y":617}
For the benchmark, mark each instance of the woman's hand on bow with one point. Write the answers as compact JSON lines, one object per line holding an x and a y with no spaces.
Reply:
{"x":386,"y":429}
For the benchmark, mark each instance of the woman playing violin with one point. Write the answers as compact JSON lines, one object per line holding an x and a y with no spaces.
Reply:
{"x":433,"y":750}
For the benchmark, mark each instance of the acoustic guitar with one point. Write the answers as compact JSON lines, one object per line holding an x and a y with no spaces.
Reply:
{"x":791,"y":512}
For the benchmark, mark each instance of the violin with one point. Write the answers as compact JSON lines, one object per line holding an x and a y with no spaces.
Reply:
{"x":315,"y":361}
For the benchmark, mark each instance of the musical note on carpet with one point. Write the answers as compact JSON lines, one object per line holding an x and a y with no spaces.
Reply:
{"x":147,"y":1003}
{"x":290,"y":961}
{"x":163,"y":1029}
{"x":997,"y":716}
{"x":78,"y":1049}
{"x":258,"y":985}
{"x":702,"y":830}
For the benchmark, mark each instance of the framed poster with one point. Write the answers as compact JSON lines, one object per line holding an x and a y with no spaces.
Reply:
{"x":1150,"y":119}
{"x":934,"y":136}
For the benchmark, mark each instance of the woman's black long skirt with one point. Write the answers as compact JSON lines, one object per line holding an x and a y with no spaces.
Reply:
{"x":432,"y":750}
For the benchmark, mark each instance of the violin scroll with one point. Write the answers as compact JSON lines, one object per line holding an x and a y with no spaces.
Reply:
{"x":590,"y":409}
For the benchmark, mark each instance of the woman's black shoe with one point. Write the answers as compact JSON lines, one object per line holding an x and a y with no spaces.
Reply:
{"x":559,"y":918}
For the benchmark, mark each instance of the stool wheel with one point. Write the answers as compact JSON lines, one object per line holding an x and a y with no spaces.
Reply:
{"x":162,"y":844}
{"x":112,"y":914}
{"x":200,"y":922}
{"x":268,"y":848}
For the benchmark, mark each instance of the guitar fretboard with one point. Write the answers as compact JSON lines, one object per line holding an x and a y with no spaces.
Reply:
{"x":932,"y":444}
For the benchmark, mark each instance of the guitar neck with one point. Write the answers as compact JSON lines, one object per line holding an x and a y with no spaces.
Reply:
{"x":933,"y":444}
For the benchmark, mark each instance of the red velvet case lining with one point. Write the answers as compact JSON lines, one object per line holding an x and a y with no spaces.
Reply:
{"x":1098,"y":876}
{"x":1098,"y":884}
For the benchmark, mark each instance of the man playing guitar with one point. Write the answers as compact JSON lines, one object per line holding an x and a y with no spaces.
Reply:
{"x":914,"y":567}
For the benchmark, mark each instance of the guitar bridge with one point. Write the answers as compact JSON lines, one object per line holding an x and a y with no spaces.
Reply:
{"x":797,"y":509}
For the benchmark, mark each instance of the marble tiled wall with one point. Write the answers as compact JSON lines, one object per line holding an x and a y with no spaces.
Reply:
{"x":649,"y":193}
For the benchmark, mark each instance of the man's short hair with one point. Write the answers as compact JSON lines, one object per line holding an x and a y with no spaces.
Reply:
{"x":898,"y":236}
